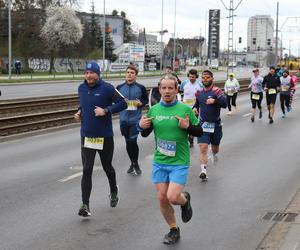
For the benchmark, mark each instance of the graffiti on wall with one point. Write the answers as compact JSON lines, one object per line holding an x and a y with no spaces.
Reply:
{"x":60,"y":64}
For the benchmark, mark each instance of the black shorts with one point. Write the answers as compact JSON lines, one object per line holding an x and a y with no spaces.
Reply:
{"x":271,"y":99}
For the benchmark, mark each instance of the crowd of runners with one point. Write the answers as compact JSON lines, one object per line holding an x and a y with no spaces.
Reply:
{"x":179,"y":112}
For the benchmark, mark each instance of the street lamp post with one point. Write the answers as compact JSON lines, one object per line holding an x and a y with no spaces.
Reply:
{"x":104,"y":34}
{"x":161,"y":34}
{"x":9,"y":39}
{"x":174,"y":56}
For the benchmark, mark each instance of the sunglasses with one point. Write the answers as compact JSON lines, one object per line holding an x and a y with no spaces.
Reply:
{"x":206,"y":77}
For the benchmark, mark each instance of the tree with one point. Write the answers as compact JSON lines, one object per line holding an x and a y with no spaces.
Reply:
{"x":114,"y":13}
{"x":95,"y":34}
{"x":128,"y":33}
{"x":2,"y":4}
{"x":43,"y":4}
{"x":109,"y":44}
{"x":62,"y":29}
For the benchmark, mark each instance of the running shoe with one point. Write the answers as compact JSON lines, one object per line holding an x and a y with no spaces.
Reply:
{"x":137,"y":169}
{"x":84,"y":210}
{"x":271,"y":120}
{"x":215,"y":158}
{"x":114,"y":198}
{"x":283,"y":116}
{"x":229,"y":113}
{"x":130,"y":169}
{"x":289,"y":109}
{"x":186,"y":209}
{"x":203,"y":174}
{"x":260,"y":115}
{"x":172,"y":237}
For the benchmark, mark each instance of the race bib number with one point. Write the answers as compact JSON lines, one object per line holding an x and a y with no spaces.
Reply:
{"x":208,"y":127}
{"x":167,"y":148}
{"x":94,"y":142}
{"x":230,"y":93}
{"x":131,"y":105}
{"x":190,"y":102}
{"x":255,"y":97}
{"x":272,"y":91}
{"x":285,"y":88}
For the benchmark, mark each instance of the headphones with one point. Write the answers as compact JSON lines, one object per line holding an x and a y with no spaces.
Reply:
{"x":192,"y":71}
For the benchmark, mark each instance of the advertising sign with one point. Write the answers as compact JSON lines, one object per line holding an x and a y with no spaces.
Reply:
{"x":214,"y":34}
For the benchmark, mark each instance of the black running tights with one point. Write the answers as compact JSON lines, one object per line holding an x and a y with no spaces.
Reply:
{"x":88,"y":158}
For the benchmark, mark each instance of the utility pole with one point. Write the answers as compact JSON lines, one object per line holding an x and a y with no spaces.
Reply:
{"x":104,"y":35}
{"x":161,"y":34}
{"x":200,"y":48}
{"x":174,"y":56}
{"x":276,"y":36}
{"x":231,"y":10}
{"x":9,"y":39}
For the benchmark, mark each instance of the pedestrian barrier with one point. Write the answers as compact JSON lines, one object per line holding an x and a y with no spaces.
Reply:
{"x":29,"y":114}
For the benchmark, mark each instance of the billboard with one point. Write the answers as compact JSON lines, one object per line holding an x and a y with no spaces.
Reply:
{"x":136,"y":53}
{"x":213,"y":34}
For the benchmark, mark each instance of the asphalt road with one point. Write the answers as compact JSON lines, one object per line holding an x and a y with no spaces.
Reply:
{"x":13,"y":91}
{"x":258,"y":171}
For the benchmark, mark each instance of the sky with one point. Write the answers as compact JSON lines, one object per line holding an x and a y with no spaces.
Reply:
{"x":191,"y":16}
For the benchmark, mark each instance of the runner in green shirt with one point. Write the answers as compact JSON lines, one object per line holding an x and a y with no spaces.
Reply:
{"x":171,"y":122}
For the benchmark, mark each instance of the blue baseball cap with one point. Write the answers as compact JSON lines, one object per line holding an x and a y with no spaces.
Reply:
{"x":93,"y":66}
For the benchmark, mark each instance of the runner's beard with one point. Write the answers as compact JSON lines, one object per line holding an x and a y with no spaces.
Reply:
{"x":207,"y":85}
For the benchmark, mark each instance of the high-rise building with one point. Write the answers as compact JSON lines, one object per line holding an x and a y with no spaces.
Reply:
{"x":260,"y":33}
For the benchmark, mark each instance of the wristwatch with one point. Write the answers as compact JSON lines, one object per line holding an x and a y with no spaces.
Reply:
{"x":105,"y":110}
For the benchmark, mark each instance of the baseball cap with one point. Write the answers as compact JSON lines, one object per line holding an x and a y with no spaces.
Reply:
{"x":93,"y":66}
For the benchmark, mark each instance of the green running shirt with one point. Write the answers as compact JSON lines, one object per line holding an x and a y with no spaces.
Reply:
{"x":172,"y":146}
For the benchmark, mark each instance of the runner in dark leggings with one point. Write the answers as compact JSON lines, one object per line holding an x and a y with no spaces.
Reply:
{"x":285,"y":95}
{"x":256,"y":94}
{"x":98,"y":101}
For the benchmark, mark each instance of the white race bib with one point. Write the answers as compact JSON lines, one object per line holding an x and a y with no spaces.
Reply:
{"x":94,"y":142}
{"x":190,"y":102}
{"x":208,"y":127}
{"x":230,"y":93}
{"x":271,"y":91}
{"x":131,"y":105}
{"x":255,"y":96}
{"x":167,"y":148}
{"x":285,"y":88}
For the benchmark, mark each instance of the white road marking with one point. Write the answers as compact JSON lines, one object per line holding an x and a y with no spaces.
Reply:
{"x":73,"y":176}
{"x":80,"y":168}
{"x":246,"y":115}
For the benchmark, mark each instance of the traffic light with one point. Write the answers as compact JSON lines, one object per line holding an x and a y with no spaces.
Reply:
{"x":271,"y":48}
{"x":254,"y":41}
{"x":240,"y":40}
{"x":258,"y":48}
{"x":269,"y":42}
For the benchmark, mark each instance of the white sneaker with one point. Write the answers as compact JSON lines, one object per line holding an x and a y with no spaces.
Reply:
{"x":229,"y":113}
{"x":215,"y":158}
{"x":203,"y":173}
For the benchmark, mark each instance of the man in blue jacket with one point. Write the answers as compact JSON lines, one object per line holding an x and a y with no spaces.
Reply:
{"x":98,"y":101}
{"x":136,"y":97}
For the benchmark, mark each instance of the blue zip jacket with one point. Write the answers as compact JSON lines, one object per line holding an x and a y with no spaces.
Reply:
{"x":103,"y":95}
{"x":210,"y":112}
{"x":132,"y":92}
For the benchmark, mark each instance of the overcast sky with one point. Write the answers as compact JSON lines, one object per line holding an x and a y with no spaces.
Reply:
{"x":191,"y":16}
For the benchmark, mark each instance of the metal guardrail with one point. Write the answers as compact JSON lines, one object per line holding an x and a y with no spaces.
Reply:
{"x":23,"y":115}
